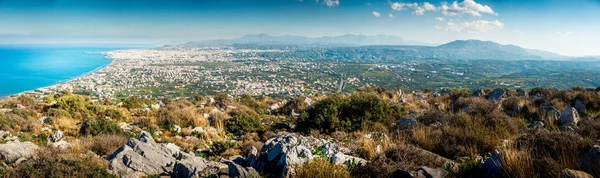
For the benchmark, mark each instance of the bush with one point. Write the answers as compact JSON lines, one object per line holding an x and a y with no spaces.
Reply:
{"x":99,"y":126}
{"x":321,"y":168}
{"x":103,"y":144}
{"x":340,"y":113}
{"x":53,"y":163}
{"x":181,"y":113}
{"x":241,"y":124}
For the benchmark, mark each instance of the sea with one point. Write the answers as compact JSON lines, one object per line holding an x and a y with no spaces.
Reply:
{"x":28,"y":67}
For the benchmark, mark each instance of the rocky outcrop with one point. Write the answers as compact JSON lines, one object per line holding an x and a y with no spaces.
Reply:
{"x":342,"y":159}
{"x":569,"y":116}
{"x":497,"y":94}
{"x":492,"y":167}
{"x":478,"y":93}
{"x":405,"y":123}
{"x":279,"y":154}
{"x":143,"y":156}
{"x":15,"y":150}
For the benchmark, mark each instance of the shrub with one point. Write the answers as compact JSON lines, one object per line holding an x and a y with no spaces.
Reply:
{"x":133,"y":102}
{"x":73,"y":103}
{"x":54,"y":163}
{"x":242,"y":123}
{"x":321,"y":168}
{"x":103,"y":144}
{"x":181,"y":113}
{"x":342,"y":113}
{"x":99,"y":126}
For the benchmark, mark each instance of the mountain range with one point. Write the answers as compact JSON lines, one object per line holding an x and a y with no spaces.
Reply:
{"x":458,"y":49}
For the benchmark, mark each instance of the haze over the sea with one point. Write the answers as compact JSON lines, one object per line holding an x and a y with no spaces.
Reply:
{"x":24,"y":68}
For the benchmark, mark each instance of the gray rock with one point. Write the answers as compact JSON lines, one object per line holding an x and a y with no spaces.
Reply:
{"x":523,"y":93}
{"x":580,"y":106}
{"x":342,"y":159}
{"x":549,"y":114}
{"x":235,"y":170}
{"x":176,"y":129}
{"x":15,"y":150}
{"x":478,"y":92}
{"x":44,"y":120}
{"x":569,"y":116}
{"x":590,"y":160}
{"x":492,"y":167}
{"x":279,"y":154}
{"x":60,"y":144}
{"x":56,"y":136}
{"x":497,"y":94}
{"x":432,"y":172}
{"x":435,"y":94}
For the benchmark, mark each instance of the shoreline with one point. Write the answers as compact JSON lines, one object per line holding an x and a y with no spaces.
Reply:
{"x":112,"y":61}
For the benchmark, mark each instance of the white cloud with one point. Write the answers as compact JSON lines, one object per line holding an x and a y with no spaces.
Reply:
{"x":376,"y":14}
{"x":441,"y":19}
{"x":391,"y":15}
{"x":479,"y":26}
{"x":520,"y":32}
{"x":564,"y":34}
{"x":417,"y":10}
{"x":330,"y":3}
{"x":468,"y":7}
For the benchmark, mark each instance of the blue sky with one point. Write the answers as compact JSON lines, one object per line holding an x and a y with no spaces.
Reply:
{"x":568,"y":27}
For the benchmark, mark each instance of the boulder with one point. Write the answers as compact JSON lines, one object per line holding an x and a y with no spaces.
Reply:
{"x":523,"y":93}
{"x":15,"y":150}
{"x":478,"y":92}
{"x":492,"y":167}
{"x":590,"y":160}
{"x":497,"y":94}
{"x":580,"y":106}
{"x":176,"y":128}
{"x":56,"y":136}
{"x":569,"y":116}
{"x":60,"y":144}
{"x":281,"y":153}
{"x":143,"y":156}
{"x":342,"y":159}
{"x":570,"y":173}
{"x":549,"y":114}
{"x":423,"y":172}
{"x":536,"y":125}
{"x":44,"y":120}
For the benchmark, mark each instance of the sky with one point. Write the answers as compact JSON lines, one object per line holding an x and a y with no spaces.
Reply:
{"x":567,"y":27}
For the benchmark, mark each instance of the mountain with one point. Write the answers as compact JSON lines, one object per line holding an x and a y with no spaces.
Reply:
{"x":344,"y":40}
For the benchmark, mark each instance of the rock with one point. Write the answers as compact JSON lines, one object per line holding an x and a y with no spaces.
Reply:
{"x":176,"y":128}
{"x":497,"y":94}
{"x":478,"y":93}
{"x":342,"y":159}
{"x":125,"y":126}
{"x":19,"y":106}
{"x":15,"y":150}
{"x":274,"y":107}
{"x":523,"y":93}
{"x":435,"y":94}
{"x":570,"y":173}
{"x":236,"y":170}
{"x":280,"y":153}
{"x":407,"y":123}
{"x":144,"y":157}
{"x":568,"y":116}
{"x":590,"y":160}
{"x":46,"y":129}
{"x":580,"y":106}
{"x":197,"y":130}
{"x":60,"y":144}
{"x":569,"y":127}
{"x":432,"y":172}
{"x":549,"y":114}
{"x":492,"y":167}
{"x":536,"y":125}
{"x":44,"y":120}
{"x":423,"y":172}
{"x":56,"y":136}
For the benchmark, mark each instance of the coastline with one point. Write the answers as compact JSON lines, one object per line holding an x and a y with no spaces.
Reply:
{"x":56,"y":85}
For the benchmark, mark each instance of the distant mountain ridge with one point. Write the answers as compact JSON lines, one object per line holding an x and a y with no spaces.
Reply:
{"x":344,"y":40}
{"x":458,"y":49}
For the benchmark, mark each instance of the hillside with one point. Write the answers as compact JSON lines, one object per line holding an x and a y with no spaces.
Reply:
{"x":372,"y":132}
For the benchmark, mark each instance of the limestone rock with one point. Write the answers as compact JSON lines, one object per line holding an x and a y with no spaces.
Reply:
{"x":56,"y":136}
{"x":492,"y":167}
{"x":15,"y":150}
{"x":569,"y":116}
{"x":590,"y":160}
{"x":580,"y":106}
{"x":549,"y":114}
{"x":478,"y":93}
{"x":342,"y":159}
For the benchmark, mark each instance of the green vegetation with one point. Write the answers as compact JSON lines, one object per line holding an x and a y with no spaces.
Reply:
{"x":242,"y":123}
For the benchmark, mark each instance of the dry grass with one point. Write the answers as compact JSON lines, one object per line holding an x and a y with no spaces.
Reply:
{"x":101,"y":144}
{"x":517,"y":163}
{"x":321,"y":168}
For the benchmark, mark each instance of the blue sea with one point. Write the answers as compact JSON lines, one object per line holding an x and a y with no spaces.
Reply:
{"x":24,"y":68}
